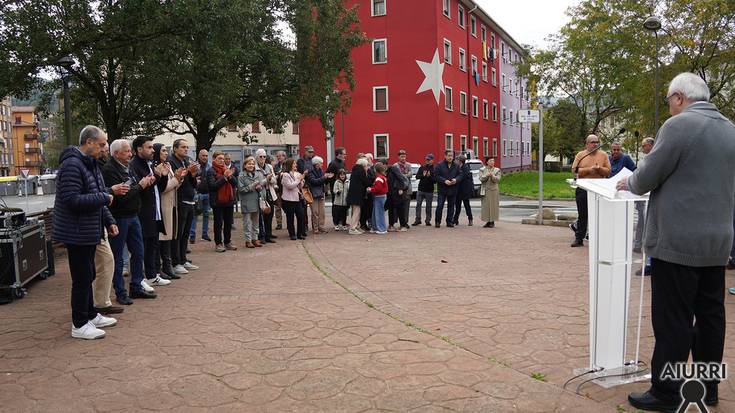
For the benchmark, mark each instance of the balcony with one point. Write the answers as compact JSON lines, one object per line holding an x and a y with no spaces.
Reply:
{"x":32,"y":150}
{"x":30,"y":136}
{"x":32,"y":163}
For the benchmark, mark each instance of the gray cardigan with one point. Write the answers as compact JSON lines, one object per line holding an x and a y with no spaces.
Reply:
{"x":691,"y":175}
{"x":248,"y":195}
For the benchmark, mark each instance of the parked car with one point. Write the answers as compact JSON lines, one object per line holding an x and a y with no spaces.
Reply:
{"x":414,"y":182}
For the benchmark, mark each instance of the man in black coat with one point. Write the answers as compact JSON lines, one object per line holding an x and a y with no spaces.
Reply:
{"x":366,"y":209}
{"x":149,"y":214}
{"x":425,"y":175}
{"x":359,"y":182}
{"x":340,"y":154}
{"x":448,"y":175}
{"x":464,"y":191}
{"x":186,"y":195}
{"x":125,"y":209}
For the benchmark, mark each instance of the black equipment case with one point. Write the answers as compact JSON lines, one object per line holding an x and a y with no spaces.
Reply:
{"x":23,"y":257}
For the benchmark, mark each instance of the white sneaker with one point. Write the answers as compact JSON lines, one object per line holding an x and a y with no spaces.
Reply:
{"x":87,"y":332}
{"x":338,"y":228}
{"x":146,"y":287}
{"x":179,"y":269}
{"x":101,"y":321}
{"x":160,"y":281}
{"x":403,"y":229}
{"x":355,"y":232}
{"x":382,"y":232}
{"x":190,"y":266}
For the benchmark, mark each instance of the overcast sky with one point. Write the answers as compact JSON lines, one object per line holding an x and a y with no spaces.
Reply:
{"x":528,"y":21}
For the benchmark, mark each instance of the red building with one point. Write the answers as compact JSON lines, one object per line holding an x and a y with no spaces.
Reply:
{"x":438,"y":74}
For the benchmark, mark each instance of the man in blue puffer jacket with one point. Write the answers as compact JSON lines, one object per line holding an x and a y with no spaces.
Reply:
{"x":80,"y":219}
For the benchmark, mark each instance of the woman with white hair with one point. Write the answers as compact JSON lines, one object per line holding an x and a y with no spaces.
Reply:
{"x":270,"y":196}
{"x":316,"y":179}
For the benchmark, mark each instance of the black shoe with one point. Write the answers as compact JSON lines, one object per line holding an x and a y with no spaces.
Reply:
{"x":469,"y":224}
{"x":164,"y":276}
{"x":188,"y":251}
{"x":301,"y":237}
{"x":416,"y":223}
{"x":142,"y":294}
{"x":438,"y":225}
{"x":577,"y":243}
{"x":450,"y":225}
{"x":206,"y":238}
{"x":428,"y":223}
{"x":270,"y":241}
{"x":492,"y":224}
{"x":487,"y":225}
{"x":124,"y":300}
{"x":647,"y":401}
{"x":274,"y":236}
{"x":292,"y":238}
{"x":109,"y":310}
{"x":192,"y":240}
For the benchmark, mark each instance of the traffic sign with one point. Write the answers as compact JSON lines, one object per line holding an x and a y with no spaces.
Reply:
{"x":24,"y":173}
{"x":528,"y":116}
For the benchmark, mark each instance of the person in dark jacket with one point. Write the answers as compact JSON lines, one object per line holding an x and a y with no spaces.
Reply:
{"x":447,"y":175}
{"x":427,"y":183}
{"x":340,"y":155}
{"x":125,"y":210}
{"x":366,"y":210}
{"x":150,"y":215}
{"x":397,"y":186}
{"x":222,"y":187}
{"x":465,"y":190}
{"x":80,"y":217}
{"x":359,"y":182}
{"x":317,"y":179}
{"x":186,"y":194}
{"x":202,"y":197}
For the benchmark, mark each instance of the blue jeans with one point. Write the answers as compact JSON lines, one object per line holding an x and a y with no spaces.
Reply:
{"x":379,"y":213}
{"x":204,"y":200}
{"x":440,"y":200}
{"x":131,"y":235}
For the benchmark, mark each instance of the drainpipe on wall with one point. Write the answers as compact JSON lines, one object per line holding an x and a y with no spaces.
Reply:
{"x":470,"y":76}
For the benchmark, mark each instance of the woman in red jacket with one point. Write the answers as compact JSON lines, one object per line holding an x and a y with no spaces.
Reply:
{"x":379,"y":191}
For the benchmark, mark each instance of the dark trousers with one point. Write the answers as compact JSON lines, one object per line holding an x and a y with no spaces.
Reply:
{"x":440,"y":200}
{"x":679,"y":295}
{"x":223,"y":224}
{"x":420,"y":198}
{"x":396,"y":213}
{"x":81,"y":266}
{"x":185,"y":217}
{"x":266,"y":223}
{"x":458,"y":209}
{"x":130,"y":238}
{"x":366,"y":211}
{"x":581,"y":197}
{"x":165,"y":255}
{"x":339,"y":215}
{"x":294,"y":209}
{"x":150,"y":254}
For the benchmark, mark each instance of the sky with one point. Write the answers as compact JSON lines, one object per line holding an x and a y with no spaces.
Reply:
{"x":528,"y":21}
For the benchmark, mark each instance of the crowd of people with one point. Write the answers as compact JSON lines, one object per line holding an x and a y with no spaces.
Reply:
{"x":143,"y":198}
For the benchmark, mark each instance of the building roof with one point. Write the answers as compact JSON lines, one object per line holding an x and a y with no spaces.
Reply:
{"x":493,"y":24}
{"x":23,"y":109}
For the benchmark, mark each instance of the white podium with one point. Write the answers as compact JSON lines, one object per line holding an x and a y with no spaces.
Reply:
{"x":611,"y":232}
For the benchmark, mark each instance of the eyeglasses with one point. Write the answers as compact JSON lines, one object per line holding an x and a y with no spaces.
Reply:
{"x":593,"y":142}
{"x":261,"y":156}
{"x":667,"y":98}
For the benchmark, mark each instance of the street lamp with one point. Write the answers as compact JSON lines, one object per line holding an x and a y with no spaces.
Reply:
{"x":66,"y":62}
{"x":653,"y":23}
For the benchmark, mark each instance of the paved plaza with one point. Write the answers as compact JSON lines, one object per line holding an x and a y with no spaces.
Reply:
{"x":465,"y":319}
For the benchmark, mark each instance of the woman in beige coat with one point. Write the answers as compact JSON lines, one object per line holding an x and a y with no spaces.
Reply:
{"x":489,"y":177}
{"x":168,"y":213}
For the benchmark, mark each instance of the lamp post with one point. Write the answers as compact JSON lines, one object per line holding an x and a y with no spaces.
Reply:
{"x":66,"y":62}
{"x":653,"y":23}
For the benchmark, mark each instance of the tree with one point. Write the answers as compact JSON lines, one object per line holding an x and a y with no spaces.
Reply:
{"x":563,"y":129}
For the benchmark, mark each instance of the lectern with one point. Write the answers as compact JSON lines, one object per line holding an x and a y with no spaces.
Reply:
{"x":610,"y":227}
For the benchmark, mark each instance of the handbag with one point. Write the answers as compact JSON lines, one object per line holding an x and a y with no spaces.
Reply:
{"x":265,"y":206}
{"x":308,"y":197}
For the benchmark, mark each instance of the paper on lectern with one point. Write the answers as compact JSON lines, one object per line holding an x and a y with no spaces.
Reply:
{"x":606,"y":187}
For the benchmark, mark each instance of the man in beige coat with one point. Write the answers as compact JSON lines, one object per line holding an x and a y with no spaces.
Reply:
{"x":489,"y":177}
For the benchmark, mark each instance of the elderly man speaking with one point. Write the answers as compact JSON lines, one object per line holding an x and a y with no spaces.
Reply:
{"x":688,"y":235}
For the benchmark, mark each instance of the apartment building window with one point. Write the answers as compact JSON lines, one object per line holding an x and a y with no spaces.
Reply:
{"x":511,"y":118}
{"x":447,"y":51}
{"x":462,"y":60}
{"x":255,"y":127}
{"x":380,"y":145}
{"x":460,"y":16}
{"x":495,"y":77}
{"x":475,"y":146}
{"x":475,"y":106}
{"x":485,"y":147}
{"x":378,"y":7}
{"x":448,"y":98}
{"x":504,"y":82}
{"x":462,"y":144}
{"x":473,"y":59}
{"x":380,"y":99}
{"x":445,"y":8}
{"x":495,"y":147}
{"x":505,"y":147}
{"x":448,"y":142}
{"x":495,"y":112}
{"x":380,"y":51}
{"x":502,"y":52}
{"x":473,"y":26}
{"x":484,"y":71}
{"x":505,"y":115}
{"x":463,"y":103}
{"x":483,"y":33}
{"x":18,"y":120}
{"x":485,"y":109}
{"x":492,"y":40}
{"x":295,"y":128}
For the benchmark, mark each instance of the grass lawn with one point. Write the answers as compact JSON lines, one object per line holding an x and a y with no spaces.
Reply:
{"x":525,"y":184}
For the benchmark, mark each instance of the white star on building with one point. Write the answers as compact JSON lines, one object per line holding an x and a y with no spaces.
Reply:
{"x":433,"y":72}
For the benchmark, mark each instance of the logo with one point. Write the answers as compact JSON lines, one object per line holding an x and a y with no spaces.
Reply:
{"x":693,"y":391}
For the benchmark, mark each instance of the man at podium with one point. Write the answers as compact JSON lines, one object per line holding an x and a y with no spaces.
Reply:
{"x":591,"y":163}
{"x":688,"y":235}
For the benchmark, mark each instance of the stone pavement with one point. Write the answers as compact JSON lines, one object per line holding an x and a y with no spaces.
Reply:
{"x":428,"y":320}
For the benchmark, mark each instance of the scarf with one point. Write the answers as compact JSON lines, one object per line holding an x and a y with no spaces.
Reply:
{"x":225,"y":194}
{"x":405,"y":167}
